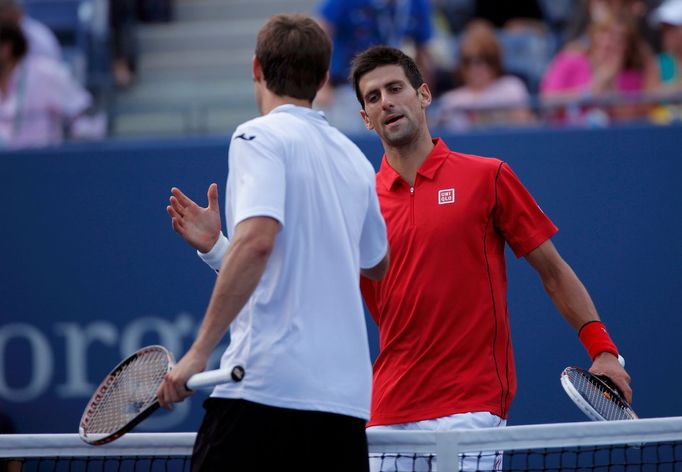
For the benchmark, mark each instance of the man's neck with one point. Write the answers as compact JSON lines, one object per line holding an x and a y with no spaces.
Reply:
{"x":407,"y":159}
{"x":272,"y":101}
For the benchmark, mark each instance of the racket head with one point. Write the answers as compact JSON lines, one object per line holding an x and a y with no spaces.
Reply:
{"x":126,"y":396}
{"x":598,"y":400}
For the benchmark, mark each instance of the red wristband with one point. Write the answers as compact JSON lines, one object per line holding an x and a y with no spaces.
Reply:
{"x":596,"y":340}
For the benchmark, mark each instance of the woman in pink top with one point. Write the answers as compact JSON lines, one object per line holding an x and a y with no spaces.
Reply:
{"x":613,"y":64}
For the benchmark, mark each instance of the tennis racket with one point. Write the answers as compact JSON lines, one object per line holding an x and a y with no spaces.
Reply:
{"x":595,"y":395}
{"x":127,"y":395}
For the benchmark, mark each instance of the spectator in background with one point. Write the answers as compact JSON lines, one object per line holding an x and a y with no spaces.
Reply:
{"x":41,"y":40}
{"x":122,"y":20}
{"x":487,"y":96}
{"x":669,"y":18}
{"x":353,"y":26}
{"x":38,"y":96}
{"x":522,"y":28}
{"x":614,"y":63}
{"x":588,"y":11}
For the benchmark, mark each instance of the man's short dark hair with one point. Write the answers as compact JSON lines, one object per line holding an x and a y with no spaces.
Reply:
{"x":378,"y":56}
{"x":294,"y":53}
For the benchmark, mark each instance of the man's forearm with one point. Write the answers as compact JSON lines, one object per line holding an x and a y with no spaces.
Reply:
{"x":571,"y":298}
{"x":242,"y":268}
{"x":562,"y":285}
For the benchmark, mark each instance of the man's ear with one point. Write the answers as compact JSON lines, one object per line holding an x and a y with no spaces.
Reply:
{"x":424,"y":93}
{"x":256,"y":70}
{"x":365,"y":118}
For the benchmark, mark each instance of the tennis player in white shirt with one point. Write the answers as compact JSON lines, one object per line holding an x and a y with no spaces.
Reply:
{"x":303,"y":222}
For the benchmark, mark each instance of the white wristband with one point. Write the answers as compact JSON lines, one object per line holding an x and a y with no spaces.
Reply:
{"x":214,"y":257}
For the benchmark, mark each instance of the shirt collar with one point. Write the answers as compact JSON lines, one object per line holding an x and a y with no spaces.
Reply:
{"x":388,"y":176}
{"x":301,"y":111}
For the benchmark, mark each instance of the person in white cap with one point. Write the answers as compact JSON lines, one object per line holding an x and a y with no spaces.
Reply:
{"x":669,"y":18}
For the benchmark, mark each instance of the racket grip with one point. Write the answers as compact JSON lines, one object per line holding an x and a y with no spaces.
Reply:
{"x":212,"y":378}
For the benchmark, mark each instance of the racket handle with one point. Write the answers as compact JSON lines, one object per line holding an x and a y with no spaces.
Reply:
{"x":212,"y":378}
{"x":621,"y":360}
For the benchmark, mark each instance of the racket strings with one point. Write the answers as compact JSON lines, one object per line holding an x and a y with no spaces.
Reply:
{"x":127,"y":392}
{"x":602,"y":399}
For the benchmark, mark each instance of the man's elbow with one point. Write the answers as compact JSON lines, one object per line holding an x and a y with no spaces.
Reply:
{"x":256,"y":236}
{"x":259,"y":247}
{"x":378,"y":271}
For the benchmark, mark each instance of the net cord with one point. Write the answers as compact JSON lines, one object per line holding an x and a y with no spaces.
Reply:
{"x":444,"y":444}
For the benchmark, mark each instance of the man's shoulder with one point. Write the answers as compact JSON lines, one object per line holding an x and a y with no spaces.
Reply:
{"x":470,"y":166}
{"x":473,"y":160}
{"x":264,"y":126}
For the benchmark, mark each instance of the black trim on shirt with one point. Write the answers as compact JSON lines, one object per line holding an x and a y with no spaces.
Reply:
{"x":504,"y":392}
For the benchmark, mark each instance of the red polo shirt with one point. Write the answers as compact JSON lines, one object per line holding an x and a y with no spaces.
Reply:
{"x":445,"y":344}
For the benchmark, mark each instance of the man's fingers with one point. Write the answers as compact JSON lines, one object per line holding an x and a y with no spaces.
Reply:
{"x":161,"y":395}
{"x":173,"y":212}
{"x":177,"y":205}
{"x":177,"y":226}
{"x":169,"y":392}
{"x":213,"y":203}
{"x":182,"y":198}
{"x":176,"y":220}
{"x":624,"y":385}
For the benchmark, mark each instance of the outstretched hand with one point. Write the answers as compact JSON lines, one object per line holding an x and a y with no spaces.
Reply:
{"x":199,"y":226}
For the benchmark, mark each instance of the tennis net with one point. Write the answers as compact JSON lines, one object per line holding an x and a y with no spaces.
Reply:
{"x":640,"y":445}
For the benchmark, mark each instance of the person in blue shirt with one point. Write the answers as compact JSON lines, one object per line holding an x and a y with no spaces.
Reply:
{"x":355,"y":25}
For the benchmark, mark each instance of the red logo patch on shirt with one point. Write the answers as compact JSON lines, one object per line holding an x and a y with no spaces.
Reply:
{"x":446,"y":196}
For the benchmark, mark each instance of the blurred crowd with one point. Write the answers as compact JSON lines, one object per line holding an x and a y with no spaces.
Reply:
{"x":488,"y":62}
{"x":517,"y":63}
{"x":59,"y":66}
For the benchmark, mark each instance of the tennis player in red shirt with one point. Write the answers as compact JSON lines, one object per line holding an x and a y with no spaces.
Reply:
{"x":445,"y":357}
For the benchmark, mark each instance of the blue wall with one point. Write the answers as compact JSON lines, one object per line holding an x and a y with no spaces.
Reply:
{"x":90,"y":268}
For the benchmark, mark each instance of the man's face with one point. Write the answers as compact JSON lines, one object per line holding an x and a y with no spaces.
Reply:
{"x":392,"y":106}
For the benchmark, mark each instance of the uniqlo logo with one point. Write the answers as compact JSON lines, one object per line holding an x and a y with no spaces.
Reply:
{"x":446,"y":196}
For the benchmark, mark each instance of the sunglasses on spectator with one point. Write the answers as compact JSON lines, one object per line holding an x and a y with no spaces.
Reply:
{"x":476,"y":60}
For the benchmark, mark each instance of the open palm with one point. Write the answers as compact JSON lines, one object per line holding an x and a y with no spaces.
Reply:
{"x":197,"y":225}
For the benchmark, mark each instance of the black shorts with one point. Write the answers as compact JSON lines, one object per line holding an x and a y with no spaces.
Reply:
{"x":239,"y":435}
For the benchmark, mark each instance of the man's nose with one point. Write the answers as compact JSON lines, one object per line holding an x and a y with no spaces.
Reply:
{"x":386,"y":101}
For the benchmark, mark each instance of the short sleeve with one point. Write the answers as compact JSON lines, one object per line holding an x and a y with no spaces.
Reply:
{"x":517,"y":216}
{"x":373,"y":240}
{"x":257,"y":179}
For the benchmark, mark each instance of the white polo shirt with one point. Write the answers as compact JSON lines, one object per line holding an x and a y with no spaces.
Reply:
{"x":301,"y":337}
